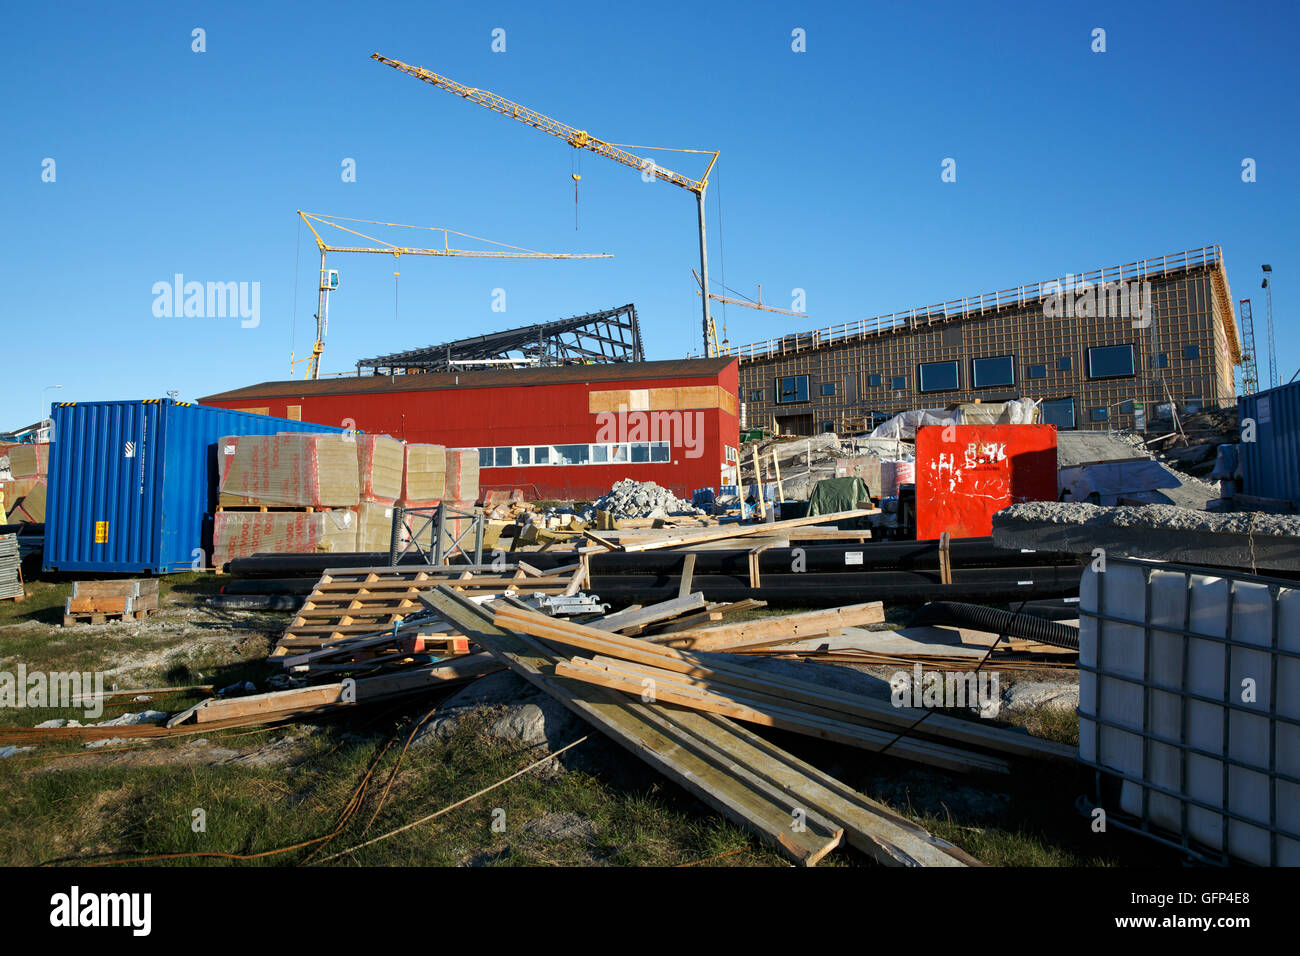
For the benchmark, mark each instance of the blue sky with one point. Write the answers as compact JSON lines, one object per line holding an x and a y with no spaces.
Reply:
{"x":170,"y":161}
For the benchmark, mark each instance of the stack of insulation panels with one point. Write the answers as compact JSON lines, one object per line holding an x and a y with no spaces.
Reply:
{"x":424,"y":479}
{"x":289,"y":471}
{"x":293,"y":472}
{"x":462,"y":475}
{"x":24,"y":489}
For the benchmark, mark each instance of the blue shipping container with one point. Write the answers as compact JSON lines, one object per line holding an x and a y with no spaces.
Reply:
{"x":132,"y":485}
{"x":1270,"y":465}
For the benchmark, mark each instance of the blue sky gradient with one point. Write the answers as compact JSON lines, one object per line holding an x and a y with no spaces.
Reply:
{"x":170,"y":161}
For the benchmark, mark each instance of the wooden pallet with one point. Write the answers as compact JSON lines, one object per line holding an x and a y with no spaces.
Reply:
{"x":264,"y":509}
{"x":106,"y":617}
{"x":349,"y":603}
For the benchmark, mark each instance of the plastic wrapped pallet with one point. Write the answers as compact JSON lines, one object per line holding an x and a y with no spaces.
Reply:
{"x":462,"y":474}
{"x":294,"y":471}
{"x":374,"y":526}
{"x":238,"y":534}
{"x":381,"y":460}
{"x":29,"y":461}
{"x":424,"y":479}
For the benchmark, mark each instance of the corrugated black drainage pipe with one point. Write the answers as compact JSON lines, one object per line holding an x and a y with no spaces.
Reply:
{"x":980,"y":618}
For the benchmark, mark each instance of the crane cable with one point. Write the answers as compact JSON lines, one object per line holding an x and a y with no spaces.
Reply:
{"x":293,"y":323}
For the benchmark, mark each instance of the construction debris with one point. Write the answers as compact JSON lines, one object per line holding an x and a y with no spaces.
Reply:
{"x":640,"y":499}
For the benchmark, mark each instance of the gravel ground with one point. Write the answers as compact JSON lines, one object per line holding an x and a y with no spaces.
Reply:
{"x":1159,"y":517}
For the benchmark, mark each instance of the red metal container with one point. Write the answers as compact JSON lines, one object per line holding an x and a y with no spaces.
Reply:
{"x":967,"y":473}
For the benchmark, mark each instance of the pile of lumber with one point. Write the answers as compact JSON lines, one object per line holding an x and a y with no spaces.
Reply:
{"x":803,"y":812}
{"x":97,"y":602}
{"x":11,"y":573}
{"x":721,"y":684}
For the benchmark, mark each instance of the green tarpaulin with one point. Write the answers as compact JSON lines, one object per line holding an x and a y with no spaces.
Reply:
{"x":838,"y":494}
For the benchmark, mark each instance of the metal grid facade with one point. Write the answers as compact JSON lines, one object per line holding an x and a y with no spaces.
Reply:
{"x":1179,"y":322}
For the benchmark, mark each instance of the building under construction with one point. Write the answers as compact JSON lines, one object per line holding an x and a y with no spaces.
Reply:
{"x":1116,"y":347}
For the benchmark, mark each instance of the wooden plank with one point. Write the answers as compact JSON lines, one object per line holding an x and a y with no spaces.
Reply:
{"x":726,"y":532}
{"x":721,"y":780}
{"x":345,"y":693}
{"x":782,"y":629}
{"x":758,"y":485}
{"x":688,"y":572}
{"x":641,"y":617}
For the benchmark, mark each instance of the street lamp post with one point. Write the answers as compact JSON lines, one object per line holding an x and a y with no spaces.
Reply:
{"x":44,"y":407}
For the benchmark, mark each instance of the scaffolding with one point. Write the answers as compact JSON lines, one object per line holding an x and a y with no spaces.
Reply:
{"x":607,"y":337}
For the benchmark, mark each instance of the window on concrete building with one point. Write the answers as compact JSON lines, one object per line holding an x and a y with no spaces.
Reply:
{"x":640,"y":452}
{"x":1101,"y":414}
{"x":756,"y":395}
{"x":522,"y":456}
{"x":486,"y":457}
{"x":1059,"y":412}
{"x":1192,"y":352}
{"x":792,"y":388}
{"x":1038,"y":371}
{"x":503,"y":457}
{"x":1126,"y":408}
{"x":1193,"y":404}
{"x":873,"y":380}
{"x":828,"y":426}
{"x":541,"y":454}
{"x":660,"y":451}
{"x":899,"y":383}
{"x":1160,"y":360}
{"x":1064,"y":363}
{"x":1111,"y":361}
{"x":828,"y":388}
{"x":995,"y":370}
{"x":937,"y":376}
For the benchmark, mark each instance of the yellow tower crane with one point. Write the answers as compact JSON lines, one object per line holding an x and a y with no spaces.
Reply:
{"x":581,"y":139}
{"x":329,"y":278}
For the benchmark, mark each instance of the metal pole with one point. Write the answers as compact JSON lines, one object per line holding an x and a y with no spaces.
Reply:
{"x":478,"y":538}
{"x":704,"y":275}
{"x":395,"y":536}
{"x":439,"y":530}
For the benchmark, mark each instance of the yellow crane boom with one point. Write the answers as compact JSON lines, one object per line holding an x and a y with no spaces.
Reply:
{"x":329,"y":277}
{"x":581,"y":139}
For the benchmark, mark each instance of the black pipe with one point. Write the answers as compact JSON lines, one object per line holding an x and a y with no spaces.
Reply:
{"x":839,"y":557}
{"x":897,"y":587}
{"x":993,"y":621}
{"x":271,"y":586}
{"x":256,"y":602}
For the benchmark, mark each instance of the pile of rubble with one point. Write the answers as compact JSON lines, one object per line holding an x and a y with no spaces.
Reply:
{"x":640,"y":499}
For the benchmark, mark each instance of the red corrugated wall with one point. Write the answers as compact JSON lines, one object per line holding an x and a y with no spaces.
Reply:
{"x":536,"y":414}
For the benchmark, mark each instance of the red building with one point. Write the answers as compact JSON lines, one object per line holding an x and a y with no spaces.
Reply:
{"x":566,"y":432}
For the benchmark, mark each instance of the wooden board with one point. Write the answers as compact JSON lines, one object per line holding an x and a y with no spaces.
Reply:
{"x":781,"y":629}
